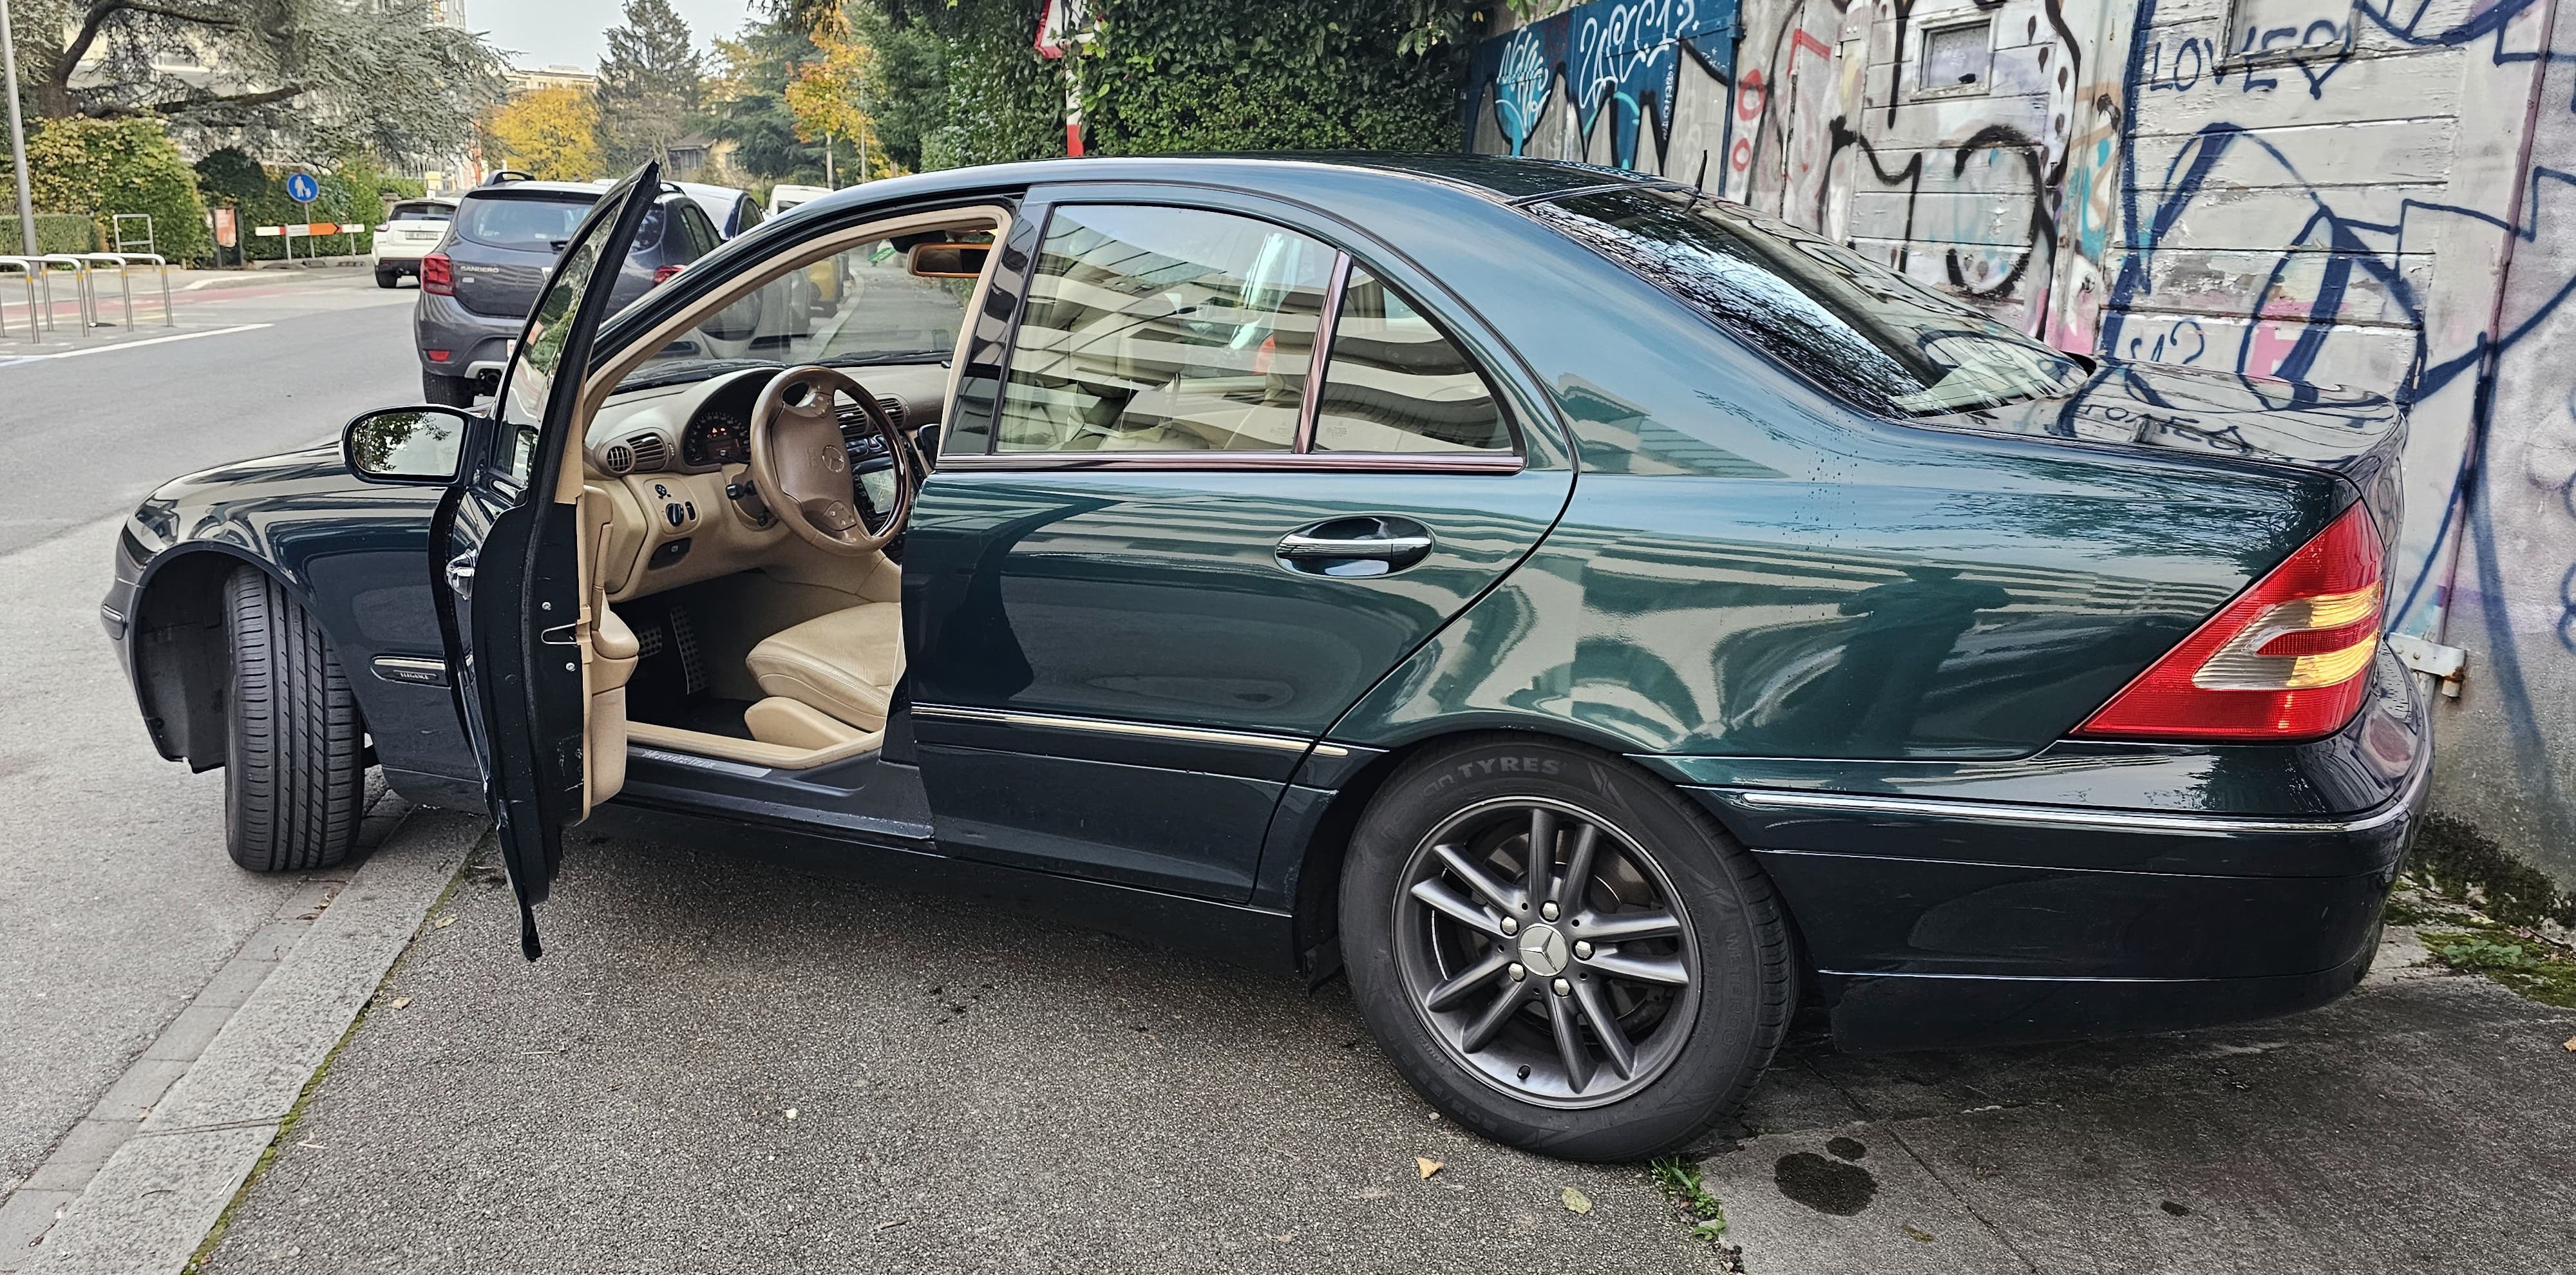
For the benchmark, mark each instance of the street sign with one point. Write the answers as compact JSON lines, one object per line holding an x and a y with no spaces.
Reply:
{"x":301,"y":188}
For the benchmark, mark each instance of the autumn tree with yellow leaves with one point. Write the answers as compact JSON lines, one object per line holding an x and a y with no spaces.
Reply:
{"x":548,"y":133}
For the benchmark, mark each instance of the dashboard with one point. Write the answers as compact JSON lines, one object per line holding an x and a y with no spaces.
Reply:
{"x":705,"y":426}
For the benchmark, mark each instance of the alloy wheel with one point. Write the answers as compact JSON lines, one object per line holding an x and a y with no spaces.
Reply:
{"x":1543,"y":947}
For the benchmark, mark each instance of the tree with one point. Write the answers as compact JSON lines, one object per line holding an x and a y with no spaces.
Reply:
{"x":548,"y":133}
{"x":648,"y":85}
{"x":824,"y":96}
{"x":748,"y":103}
{"x":314,"y":76}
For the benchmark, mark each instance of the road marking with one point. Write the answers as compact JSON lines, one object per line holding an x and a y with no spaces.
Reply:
{"x":128,"y":345}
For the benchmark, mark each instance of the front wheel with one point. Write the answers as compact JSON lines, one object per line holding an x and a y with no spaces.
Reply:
{"x":295,"y":764}
{"x":1562,"y":953}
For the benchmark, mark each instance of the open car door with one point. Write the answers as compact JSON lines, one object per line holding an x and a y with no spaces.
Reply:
{"x":525,"y":631}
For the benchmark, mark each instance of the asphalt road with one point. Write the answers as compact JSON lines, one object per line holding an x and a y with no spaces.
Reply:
{"x":117,"y":904}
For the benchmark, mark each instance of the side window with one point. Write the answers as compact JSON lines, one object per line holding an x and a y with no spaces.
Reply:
{"x":1396,"y":384}
{"x":1164,"y":329}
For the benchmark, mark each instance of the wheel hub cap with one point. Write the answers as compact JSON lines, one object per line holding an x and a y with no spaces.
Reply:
{"x":1543,"y":950}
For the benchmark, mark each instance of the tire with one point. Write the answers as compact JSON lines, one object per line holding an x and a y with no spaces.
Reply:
{"x":387,"y":278}
{"x":447,"y":391}
{"x":295,"y":763}
{"x":1696,"y":1048}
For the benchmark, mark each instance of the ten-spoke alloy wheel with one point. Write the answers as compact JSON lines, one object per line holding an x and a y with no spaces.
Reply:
{"x":1561,"y":952}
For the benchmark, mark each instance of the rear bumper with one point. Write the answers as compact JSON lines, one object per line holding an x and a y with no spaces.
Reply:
{"x":475,"y":343}
{"x":1932,"y":921}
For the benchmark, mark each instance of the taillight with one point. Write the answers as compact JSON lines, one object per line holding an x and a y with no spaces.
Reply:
{"x":664,"y":274}
{"x":438,"y":275}
{"x":2288,"y":659}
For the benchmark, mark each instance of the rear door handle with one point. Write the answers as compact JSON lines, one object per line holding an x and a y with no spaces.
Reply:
{"x":460,"y":574}
{"x":1380,"y":548}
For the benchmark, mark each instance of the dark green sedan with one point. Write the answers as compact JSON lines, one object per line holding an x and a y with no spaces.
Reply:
{"x":1597,"y":619}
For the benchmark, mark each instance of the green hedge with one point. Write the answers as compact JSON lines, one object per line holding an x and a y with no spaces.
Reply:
{"x":1197,"y":75}
{"x":104,"y":167}
{"x":55,"y":232}
{"x":258,"y":197}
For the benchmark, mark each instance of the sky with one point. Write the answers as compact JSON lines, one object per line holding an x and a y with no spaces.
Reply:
{"x":570,"y":32}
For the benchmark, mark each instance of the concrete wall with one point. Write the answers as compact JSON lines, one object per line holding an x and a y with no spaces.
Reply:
{"x":2368,"y":192}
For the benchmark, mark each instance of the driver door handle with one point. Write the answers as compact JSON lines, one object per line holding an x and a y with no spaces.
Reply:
{"x":460,"y":574}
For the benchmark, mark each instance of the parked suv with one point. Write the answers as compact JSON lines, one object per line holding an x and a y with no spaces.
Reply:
{"x":410,"y":230}
{"x":476,"y":288}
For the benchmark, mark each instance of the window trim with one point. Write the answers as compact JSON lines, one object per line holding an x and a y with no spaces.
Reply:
{"x":1299,"y":456}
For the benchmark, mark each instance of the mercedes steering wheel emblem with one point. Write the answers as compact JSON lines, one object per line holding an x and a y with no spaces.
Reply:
{"x":834,"y":458}
{"x":1542,"y":949}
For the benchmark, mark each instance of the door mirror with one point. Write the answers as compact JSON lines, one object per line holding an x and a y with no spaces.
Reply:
{"x":408,"y":445}
{"x":949,"y":260}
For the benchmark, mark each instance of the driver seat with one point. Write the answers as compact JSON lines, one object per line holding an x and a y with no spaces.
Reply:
{"x":829,"y":681}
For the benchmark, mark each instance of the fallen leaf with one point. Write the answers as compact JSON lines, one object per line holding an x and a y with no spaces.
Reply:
{"x":401,"y":1001}
{"x":1576,"y":1201}
{"x":791,"y":1113}
{"x":445,"y":921}
{"x":1918,"y":1236}
{"x":2571,"y":1044}
{"x":1428,"y":1166}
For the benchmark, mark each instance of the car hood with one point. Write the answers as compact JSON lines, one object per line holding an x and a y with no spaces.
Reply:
{"x":268,"y":492}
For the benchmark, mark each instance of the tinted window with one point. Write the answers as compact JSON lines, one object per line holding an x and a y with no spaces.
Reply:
{"x":422,"y":212}
{"x":1859,"y":329}
{"x":1396,"y":384}
{"x":1164,"y":329}
{"x":534,"y":225}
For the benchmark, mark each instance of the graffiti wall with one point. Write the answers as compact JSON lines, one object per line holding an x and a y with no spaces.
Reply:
{"x":2364,"y":192}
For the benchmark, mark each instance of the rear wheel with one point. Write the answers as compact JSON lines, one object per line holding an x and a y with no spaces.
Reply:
{"x":447,"y":391}
{"x":295,"y":766}
{"x":1561,"y":952}
{"x":386,"y":278}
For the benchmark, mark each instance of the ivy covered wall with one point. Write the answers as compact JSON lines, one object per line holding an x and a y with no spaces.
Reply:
{"x":1197,"y":75}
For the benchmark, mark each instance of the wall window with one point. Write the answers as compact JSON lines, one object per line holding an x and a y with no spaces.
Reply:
{"x":1396,"y":384}
{"x":1957,"y":60}
{"x":1164,"y":330}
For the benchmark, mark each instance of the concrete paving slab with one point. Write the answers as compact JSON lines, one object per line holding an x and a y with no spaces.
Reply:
{"x":153,"y":1203}
{"x":722,"y":1065}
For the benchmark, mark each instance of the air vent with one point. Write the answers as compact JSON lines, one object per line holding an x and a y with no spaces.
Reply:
{"x":650,"y":451}
{"x":618,"y":459}
{"x":856,"y":417}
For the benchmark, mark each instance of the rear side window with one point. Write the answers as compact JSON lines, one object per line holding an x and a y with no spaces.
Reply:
{"x":1867,"y":333}
{"x":1396,"y":383}
{"x":524,"y":224}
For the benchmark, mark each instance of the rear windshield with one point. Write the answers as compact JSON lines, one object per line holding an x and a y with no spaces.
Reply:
{"x":1863,"y":331}
{"x":422,"y":212}
{"x":538,"y":223}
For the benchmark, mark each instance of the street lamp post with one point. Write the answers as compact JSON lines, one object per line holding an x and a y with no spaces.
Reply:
{"x":17,"y":133}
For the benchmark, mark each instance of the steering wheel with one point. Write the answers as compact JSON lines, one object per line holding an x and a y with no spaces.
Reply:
{"x":801,"y":468}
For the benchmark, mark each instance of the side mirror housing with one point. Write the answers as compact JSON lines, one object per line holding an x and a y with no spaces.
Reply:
{"x":407,"y":446}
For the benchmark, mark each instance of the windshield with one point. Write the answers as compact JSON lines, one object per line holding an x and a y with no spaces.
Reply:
{"x":1865,"y":332}
{"x":858,"y":306}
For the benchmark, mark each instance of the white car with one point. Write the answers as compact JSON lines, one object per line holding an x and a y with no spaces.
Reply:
{"x":782,"y":198}
{"x":410,"y":231}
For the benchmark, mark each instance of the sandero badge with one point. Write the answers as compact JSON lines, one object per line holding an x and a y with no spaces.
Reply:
{"x":1595,"y":618}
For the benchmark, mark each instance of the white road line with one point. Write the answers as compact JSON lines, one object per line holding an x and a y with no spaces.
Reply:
{"x":128,"y":345}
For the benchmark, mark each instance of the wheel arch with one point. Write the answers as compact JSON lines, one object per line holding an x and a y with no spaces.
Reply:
{"x":181,"y":644}
{"x":1315,"y":890}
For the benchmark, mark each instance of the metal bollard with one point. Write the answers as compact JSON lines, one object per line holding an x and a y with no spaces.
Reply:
{"x":124,"y":286}
{"x":86,"y":301}
{"x":157,"y":261}
{"x":26,"y":272}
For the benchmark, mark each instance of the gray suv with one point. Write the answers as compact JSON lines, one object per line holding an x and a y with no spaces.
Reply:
{"x":477,"y":285}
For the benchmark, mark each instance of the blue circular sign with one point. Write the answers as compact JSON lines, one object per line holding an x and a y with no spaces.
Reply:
{"x":301,"y":187}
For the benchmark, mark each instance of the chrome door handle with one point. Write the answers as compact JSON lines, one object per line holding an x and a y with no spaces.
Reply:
{"x":1380,"y":548}
{"x":460,"y":574}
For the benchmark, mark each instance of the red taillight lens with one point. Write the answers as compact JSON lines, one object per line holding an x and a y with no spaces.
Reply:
{"x":438,"y":275}
{"x":664,"y":274}
{"x":2288,"y":659}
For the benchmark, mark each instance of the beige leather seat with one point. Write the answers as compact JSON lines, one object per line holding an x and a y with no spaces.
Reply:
{"x":829,"y":680}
